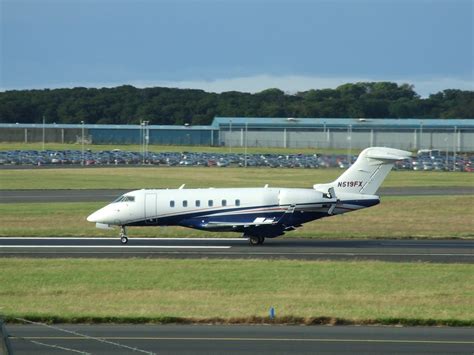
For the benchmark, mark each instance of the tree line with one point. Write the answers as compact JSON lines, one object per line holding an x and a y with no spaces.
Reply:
{"x":129,"y":105}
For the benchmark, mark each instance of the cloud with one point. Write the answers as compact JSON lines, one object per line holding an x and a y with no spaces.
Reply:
{"x":287,"y":83}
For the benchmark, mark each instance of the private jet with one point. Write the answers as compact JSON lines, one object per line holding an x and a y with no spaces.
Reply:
{"x":256,"y":213}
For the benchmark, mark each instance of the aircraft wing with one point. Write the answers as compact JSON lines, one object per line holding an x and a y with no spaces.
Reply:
{"x":243,"y":222}
{"x":259,"y":221}
{"x":283,"y":219}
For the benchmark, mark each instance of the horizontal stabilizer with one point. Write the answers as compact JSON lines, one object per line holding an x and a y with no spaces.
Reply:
{"x":388,"y":154}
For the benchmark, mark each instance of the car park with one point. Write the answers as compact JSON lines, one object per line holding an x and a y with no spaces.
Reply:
{"x":437,"y":161}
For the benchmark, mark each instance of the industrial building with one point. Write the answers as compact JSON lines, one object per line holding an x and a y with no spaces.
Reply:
{"x":411,"y":134}
{"x":407,"y":134}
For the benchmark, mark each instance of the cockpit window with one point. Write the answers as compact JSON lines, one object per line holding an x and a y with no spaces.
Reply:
{"x":118,"y":199}
{"x":124,"y":198}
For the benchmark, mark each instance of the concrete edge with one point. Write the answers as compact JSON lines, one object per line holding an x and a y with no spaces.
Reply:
{"x":5,"y":346}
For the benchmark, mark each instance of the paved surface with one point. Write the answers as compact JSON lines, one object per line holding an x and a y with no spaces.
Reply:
{"x":447,"y":251}
{"x":107,"y":195}
{"x":256,"y":339}
{"x":89,"y":195}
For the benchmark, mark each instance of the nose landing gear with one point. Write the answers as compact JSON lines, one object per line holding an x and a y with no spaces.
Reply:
{"x":123,"y":235}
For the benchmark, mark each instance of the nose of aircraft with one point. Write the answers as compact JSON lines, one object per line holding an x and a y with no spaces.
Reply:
{"x":110,"y":214}
{"x":95,"y":217}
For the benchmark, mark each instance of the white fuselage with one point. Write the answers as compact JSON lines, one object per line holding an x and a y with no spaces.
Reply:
{"x":255,"y":212}
{"x":228,"y":209}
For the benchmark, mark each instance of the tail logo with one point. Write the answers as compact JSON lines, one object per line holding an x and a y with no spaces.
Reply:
{"x":349,"y":184}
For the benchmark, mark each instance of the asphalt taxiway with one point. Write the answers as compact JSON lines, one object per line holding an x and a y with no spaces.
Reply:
{"x":445,"y":251}
{"x":237,"y":339}
{"x":107,"y":195}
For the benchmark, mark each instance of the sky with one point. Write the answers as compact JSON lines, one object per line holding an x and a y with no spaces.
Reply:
{"x":242,"y":45}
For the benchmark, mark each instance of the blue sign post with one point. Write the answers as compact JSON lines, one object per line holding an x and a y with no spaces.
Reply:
{"x":272,"y":313}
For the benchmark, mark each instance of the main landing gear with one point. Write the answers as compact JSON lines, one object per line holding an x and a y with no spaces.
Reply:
{"x":256,"y":240}
{"x":123,"y":235}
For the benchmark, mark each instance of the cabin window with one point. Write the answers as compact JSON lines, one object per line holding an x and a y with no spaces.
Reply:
{"x":185,"y":203}
{"x":210,"y":203}
{"x":224,"y":203}
{"x":171,"y":203}
{"x":237,"y":202}
{"x":198,"y":203}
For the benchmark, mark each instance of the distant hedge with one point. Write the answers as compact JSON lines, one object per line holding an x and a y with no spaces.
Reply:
{"x":127,"y":104}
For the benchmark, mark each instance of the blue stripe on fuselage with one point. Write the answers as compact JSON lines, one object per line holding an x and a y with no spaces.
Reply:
{"x":210,"y":215}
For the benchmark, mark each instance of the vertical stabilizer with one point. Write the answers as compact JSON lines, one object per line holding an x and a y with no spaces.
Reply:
{"x":368,"y":172}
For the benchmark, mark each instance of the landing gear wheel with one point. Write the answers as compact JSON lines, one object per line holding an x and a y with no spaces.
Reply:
{"x":123,"y":235}
{"x":256,"y":240}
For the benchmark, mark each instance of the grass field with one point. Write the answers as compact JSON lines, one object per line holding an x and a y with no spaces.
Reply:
{"x":173,"y":177}
{"x":235,"y":289}
{"x":172,"y":148}
{"x":395,"y":217}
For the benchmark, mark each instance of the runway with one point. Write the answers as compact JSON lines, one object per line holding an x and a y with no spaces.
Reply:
{"x":237,"y":339}
{"x":440,"y":251}
{"x":107,"y":195}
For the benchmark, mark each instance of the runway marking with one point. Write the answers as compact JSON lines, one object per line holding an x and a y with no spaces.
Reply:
{"x":114,"y":239}
{"x":83,"y":336}
{"x":423,"y":341}
{"x":123,"y":247}
{"x":57,"y":347}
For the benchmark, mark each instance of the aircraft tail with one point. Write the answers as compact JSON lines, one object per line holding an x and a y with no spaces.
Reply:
{"x":367,"y":173}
